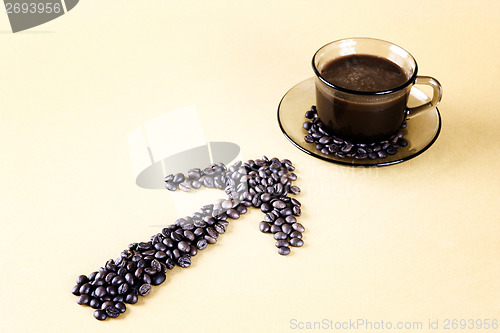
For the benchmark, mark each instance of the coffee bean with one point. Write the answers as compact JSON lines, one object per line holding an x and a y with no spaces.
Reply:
{"x":265,"y":207}
{"x":183,"y":246}
{"x":100,"y":314}
{"x":264,"y":227}
{"x":158,"y":278}
{"x":176,"y":237}
{"x":198,"y":232}
{"x":279,"y":204}
{"x":107,"y":304}
{"x":296,"y":242}
{"x":310,"y":114}
{"x":169,"y":263}
{"x":284,"y":250}
{"x":279,"y":221}
{"x":100,"y":291}
{"x":129,"y":278}
{"x":146,"y":278}
{"x":82,"y":279}
{"x":201,"y":244}
{"x":122,"y":289}
{"x":160,"y":255}
{"x":95,"y":303}
{"x":269,"y":217}
{"x":233,"y":213}
{"x":120,"y":306}
{"x":241,"y":209}
{"x":294,"y":189}
{"x":119,"y":298}
{"x":265,"y":197}
{"x":210,"y":239}
{"x":347,"y":148}
{"x":111,"y":290}
{"x":178,"y":178}
{"x":226,"y":204}
{"x":200,"y":224}
{"x":184,"y":261}
{"x":274,"y":229}
{"x":131,"y":299}
{"x":83,"y":299}
{"x":139,"y":272}
{"x":295,"y":202}
{"x":86,"y":288}
{"x":112,"y":311}
{"x":170,"y":186}
{"x":280,"y":235}
{"x":360,"y":156}
{"x":110,"y":277}
{"x":168,"y":242}
{"x":194,"y":174}
{"x":145,"y":289}
{"x":281,"y":243}
{"x":211,"y":232}
{"x":186,"y":227}
{"x":391,"y":150}
{"x":208,"y":182}
{"x":155,"y":265}
{"x":286,"y":228}
{"x":76,"y":290}
{"x":382,"y":154}
{"x":220,"y":228}
{"x":324,"y":140}
{"x":278,"y":188}
{"x":176,"y":253}
{"x":185,"y":186}
{"x":298,"y":227}
{"x":196,"y":184}
{"x":117,"y":280}
{"x":256,"y":201}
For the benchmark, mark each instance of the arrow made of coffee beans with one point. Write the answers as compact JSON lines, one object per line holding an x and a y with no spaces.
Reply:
{"x":262,"y":183}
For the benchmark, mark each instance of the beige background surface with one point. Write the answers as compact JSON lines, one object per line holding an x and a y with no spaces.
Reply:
{"x":410,"y":242}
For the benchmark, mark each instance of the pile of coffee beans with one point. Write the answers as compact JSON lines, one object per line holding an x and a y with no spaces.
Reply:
{"x":329,"y":144}
{"x":262,"y":183}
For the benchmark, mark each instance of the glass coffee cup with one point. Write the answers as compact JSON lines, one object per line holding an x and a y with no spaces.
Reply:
{"x":354,"y":95}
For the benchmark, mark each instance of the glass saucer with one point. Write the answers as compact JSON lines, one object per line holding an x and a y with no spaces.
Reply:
{"x":421,"y":132}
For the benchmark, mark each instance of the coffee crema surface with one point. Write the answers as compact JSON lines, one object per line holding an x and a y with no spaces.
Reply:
{"x":363,"y":72}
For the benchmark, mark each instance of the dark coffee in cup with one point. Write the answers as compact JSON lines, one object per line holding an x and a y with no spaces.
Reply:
{"x":362,"y":88}
{"x":362,"y":72}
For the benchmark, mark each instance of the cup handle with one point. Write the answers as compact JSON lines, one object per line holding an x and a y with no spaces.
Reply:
{"x":437,"y":93}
